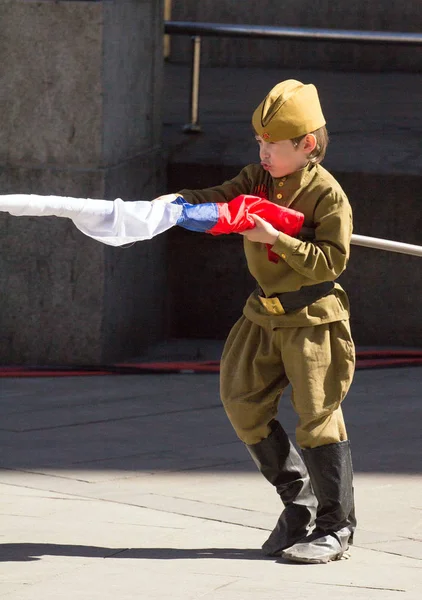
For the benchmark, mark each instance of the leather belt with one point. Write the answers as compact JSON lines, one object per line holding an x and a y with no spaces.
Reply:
{"x":287,"y":302}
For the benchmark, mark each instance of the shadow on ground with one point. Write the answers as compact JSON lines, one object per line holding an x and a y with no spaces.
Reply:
{"x":30,"y":552}
{"x":151,"y":423}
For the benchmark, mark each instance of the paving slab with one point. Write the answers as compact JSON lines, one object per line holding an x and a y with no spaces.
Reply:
{"x":136,"y":487}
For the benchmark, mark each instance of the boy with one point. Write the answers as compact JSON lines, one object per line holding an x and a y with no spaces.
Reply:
{"x":294,"y":329}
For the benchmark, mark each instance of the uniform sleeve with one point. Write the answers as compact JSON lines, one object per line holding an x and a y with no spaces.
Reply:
{"x":326,"y":257}
{"x":241,"y":184}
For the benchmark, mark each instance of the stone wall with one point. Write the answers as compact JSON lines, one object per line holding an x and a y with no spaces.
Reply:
{"x":79,"y":93}
{"x":377,"y":15}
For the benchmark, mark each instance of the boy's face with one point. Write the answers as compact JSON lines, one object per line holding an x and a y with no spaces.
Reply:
{"x":282,"y":158}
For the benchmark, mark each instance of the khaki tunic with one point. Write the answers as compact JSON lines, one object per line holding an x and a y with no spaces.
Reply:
{"x":311,"y":348}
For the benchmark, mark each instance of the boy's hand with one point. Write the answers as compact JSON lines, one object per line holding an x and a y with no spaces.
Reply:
{"x":263,"y":232}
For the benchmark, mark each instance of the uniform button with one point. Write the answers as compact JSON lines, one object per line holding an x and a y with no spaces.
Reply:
{"x":283,"y":256}
{"x":279,"y":196}
{"x":280,"y":183}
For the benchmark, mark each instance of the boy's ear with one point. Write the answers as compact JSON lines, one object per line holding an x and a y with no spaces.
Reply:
{"x":309,"y":143}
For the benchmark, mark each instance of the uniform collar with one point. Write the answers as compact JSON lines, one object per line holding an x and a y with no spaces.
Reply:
{"x":296,"y":180}
{"x":287,"y":189}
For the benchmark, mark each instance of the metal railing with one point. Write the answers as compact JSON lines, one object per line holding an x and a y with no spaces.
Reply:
{"x":389,"y":245}
{"x":196,"y":30}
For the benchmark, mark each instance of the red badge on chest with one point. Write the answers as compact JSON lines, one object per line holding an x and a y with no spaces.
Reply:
{"x":261,"y":191}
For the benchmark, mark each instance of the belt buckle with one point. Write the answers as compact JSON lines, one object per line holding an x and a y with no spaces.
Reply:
{"x":272,"y":305}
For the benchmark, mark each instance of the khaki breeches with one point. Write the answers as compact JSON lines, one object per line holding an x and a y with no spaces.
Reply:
{"x":259,"y":362}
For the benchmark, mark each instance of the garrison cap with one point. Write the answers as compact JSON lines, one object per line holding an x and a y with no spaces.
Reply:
{"x":290,"y":110}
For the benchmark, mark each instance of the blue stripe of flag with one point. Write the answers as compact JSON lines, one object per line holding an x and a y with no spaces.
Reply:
{"x":197,"y":217}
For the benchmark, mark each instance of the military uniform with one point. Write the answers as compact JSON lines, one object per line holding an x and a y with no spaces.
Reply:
{"x":295,"y":329}
{"x":291,"y":356}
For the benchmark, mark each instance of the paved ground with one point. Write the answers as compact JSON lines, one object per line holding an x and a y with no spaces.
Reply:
{"x":118,"y":487}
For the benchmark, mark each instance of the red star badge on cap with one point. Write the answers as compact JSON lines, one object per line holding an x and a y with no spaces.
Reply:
{"x":266,"y":136}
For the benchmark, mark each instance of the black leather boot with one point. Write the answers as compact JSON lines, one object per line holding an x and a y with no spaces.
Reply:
{"x":331,"y":473}
{"x":280,"y":463}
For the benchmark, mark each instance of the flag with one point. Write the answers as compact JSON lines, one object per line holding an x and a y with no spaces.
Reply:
{"x":117,"y":222}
